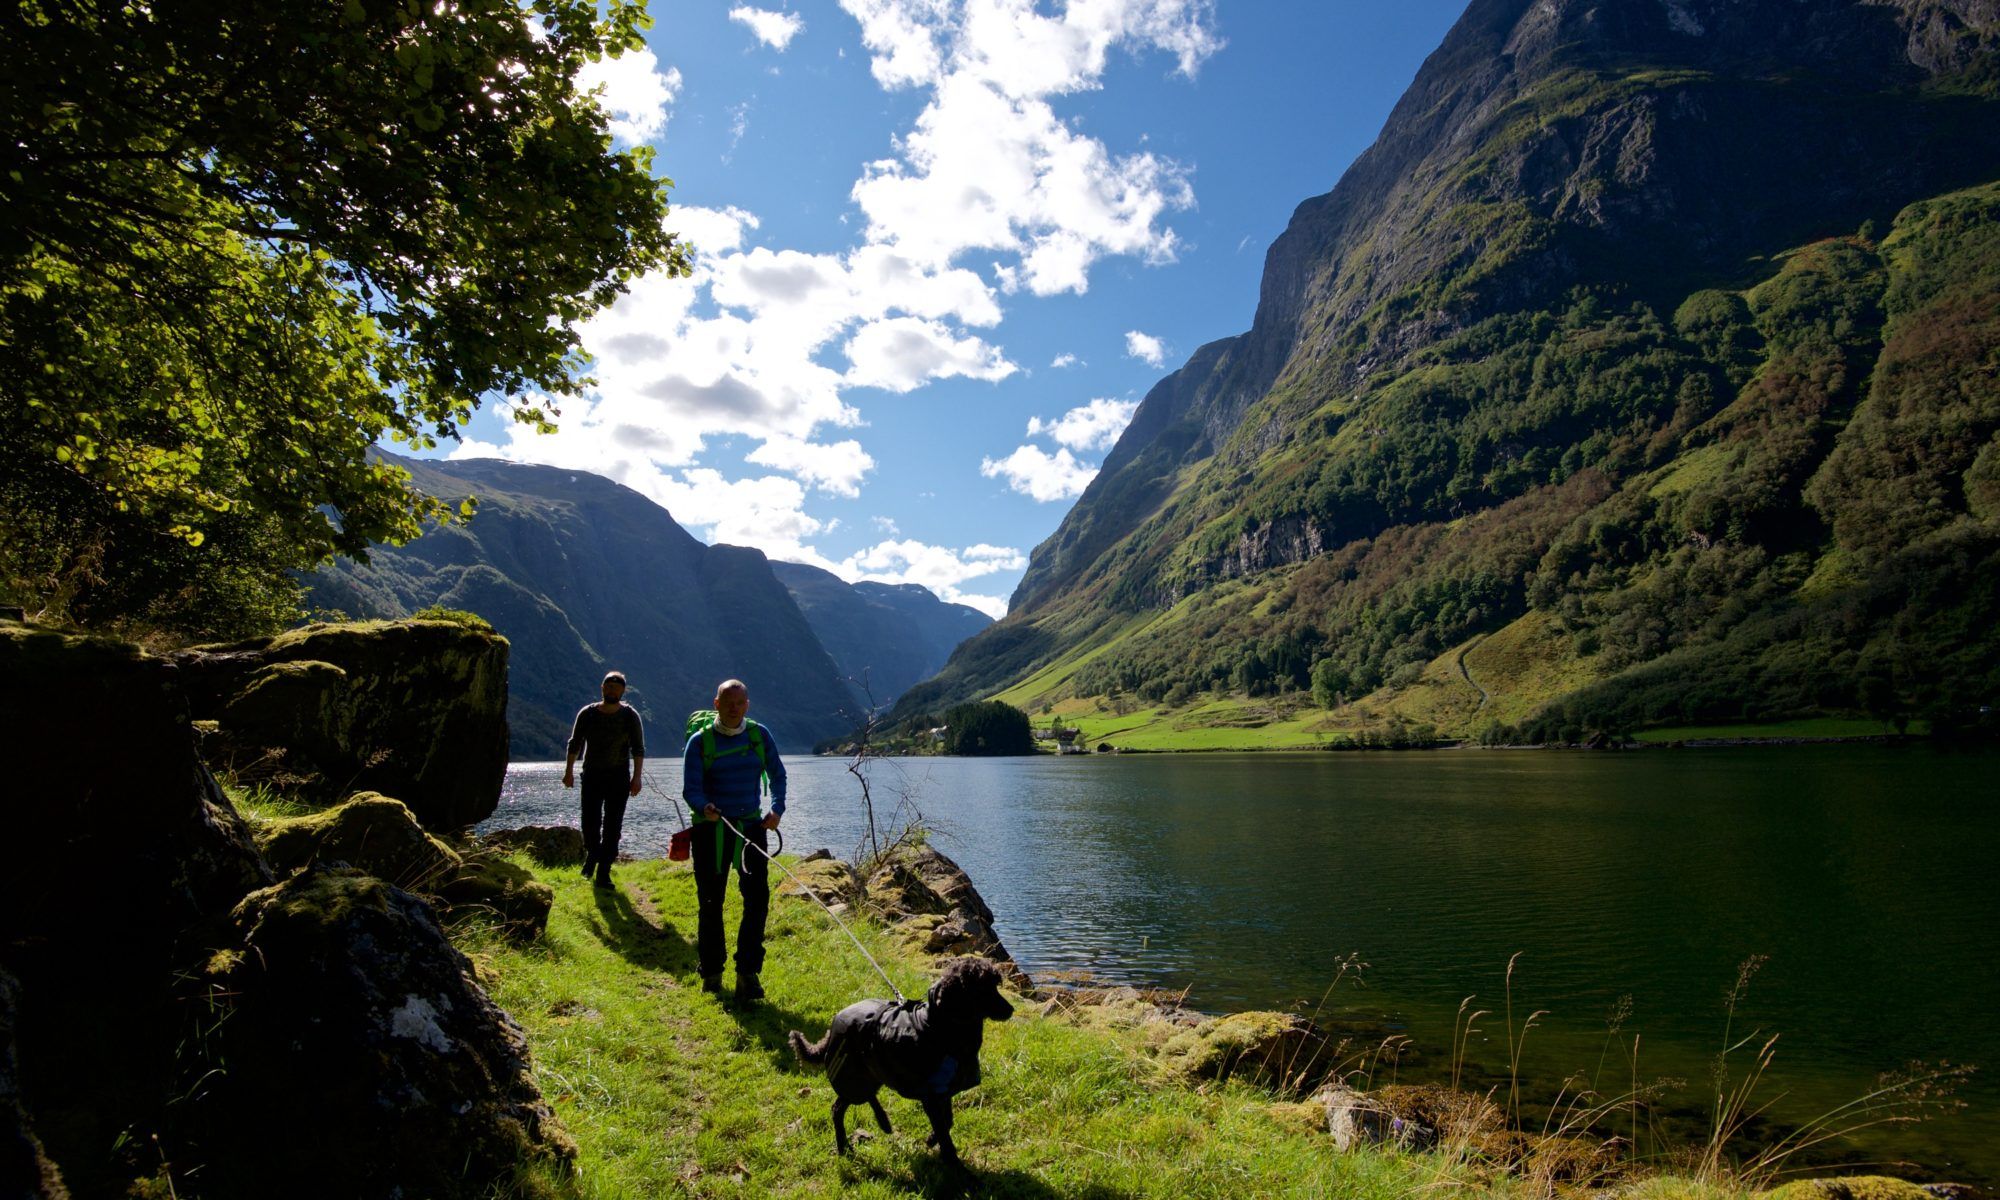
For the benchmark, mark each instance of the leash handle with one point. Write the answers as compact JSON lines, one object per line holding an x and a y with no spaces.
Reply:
{"x":807,"y":888}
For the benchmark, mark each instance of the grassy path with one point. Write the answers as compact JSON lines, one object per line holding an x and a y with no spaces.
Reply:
{"x":668,"y":1091}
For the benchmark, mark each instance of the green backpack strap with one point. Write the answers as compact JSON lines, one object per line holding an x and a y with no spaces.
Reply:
{"x":709,"y":753}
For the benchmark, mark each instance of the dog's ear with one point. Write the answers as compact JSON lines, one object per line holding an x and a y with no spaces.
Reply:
{"x":956,"y":984}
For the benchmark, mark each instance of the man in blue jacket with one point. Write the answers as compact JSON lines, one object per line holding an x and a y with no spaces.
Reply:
{"x":721,"y":776}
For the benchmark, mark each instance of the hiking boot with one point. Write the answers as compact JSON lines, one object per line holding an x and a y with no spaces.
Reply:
{"x":589,"y":865}
{"x":712,"y":984}
{"x":603,"y":876}
{"x":747,"y":987}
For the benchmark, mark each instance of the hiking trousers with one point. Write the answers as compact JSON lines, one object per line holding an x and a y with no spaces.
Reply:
{"x":604,"y":797}
{"x":711,"y":883}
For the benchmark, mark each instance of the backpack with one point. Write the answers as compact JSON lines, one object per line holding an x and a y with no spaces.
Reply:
{"x":702,"y":721}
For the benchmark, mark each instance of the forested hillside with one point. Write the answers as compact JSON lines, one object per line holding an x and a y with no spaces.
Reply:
{"x":584,"y":576}
{"x":1642,"y":372}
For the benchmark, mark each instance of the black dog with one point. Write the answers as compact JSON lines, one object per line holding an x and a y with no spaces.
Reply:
{"x":925,"y":1050}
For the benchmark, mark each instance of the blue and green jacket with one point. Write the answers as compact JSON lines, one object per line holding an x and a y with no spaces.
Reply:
{"x":732,"y":781}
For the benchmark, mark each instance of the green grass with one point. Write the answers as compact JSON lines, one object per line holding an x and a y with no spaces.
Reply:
{"x":1814,"y":727}
{"x":669,"y":1092}
{"x":1226,"y":723}
{"x":1028,"y":693}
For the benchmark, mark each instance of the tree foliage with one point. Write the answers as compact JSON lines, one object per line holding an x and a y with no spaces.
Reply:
{"x":245,"y":240}
{"x":987,"y":728}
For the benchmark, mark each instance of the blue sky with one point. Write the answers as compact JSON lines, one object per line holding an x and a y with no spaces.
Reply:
{"x":945,"y":247}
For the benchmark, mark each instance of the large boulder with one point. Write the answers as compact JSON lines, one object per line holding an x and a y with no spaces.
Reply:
{"x":360,"y":1054}
{"x":121,"y":863}
{"x":125,"y":924}
{"x":415,"y":709}
{"x":491,"y":887}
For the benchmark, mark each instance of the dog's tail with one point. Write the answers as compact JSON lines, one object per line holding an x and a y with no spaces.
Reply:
{"x":809,"y":1052}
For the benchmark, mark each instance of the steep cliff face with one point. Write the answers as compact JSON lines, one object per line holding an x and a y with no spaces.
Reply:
{"x":1571,"y":247}
{"x":583,"y":576}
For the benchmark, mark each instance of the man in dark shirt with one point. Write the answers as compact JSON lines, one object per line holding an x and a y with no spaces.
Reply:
{"x":608,"y":737}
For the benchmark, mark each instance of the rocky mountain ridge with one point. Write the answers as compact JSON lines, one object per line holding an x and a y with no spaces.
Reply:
{"x":1585,"y":242}
{"x":584,"y":575}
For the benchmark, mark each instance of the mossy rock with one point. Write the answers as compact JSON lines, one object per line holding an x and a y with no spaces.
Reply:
{"x":1851,"y":1187}
{"x":371,"y":832}
{"x":548,"y":845}
{"x":509,"y":893}
{"x":351,"y":1018}
{"x":1279,"y":1049}
{"x":832,"y":880}
{"x":1301,"y":1117}
{"x":413,"y":709}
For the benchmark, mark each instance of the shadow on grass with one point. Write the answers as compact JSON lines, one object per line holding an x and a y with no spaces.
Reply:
{"x":936,"y":1181}
{"x":638,"y":940}
{"x":768,"y":1023}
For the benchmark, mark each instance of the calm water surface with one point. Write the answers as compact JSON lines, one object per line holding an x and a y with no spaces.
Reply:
{"x":1866,"y":874}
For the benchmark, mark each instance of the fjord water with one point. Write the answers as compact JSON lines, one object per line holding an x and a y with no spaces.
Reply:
{"x":1865,"y":873}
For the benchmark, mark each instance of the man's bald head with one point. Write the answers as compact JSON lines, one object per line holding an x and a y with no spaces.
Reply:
{"x":732,"y":700}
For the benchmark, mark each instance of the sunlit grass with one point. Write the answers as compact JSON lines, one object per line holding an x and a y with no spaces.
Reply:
{"x":669,"y":1092}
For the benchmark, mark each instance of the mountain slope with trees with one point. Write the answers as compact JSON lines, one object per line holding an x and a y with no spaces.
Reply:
{"x":583,"y":576}
{"x":1643,"y":371}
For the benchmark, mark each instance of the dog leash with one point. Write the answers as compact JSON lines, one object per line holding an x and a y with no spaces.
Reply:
{"x":807,"y":888}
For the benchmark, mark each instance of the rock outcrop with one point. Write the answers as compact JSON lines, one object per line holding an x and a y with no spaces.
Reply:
{"x":414,"y":709}
{"x":928,"y":896}
{"x":122,"y":862}
{"x":343,"y":1011}
{"x":917,"y":892}
{"x":146,"y":957}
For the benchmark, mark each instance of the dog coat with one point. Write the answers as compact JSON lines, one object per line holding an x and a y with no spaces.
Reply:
{"x":897,"y":1044}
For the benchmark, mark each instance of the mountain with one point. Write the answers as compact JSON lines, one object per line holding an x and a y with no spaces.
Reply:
{"x":884,"y":637}
{"x":1641,"y":372}
{"x":583,"y":576}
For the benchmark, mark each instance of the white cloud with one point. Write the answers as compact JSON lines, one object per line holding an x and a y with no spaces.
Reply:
{"x":886,"y":525}
{"x":712,"y":230}
{"x":1146,"y":348}
{"x":1063,"y":360}
{"x":766,"y":343}
{"x":939,"y":568}
{"x":837,"y":468}
{"x":1092,"y":426}
{"x":1035,"y":472}
{"x":634,"y":92}
{"x":990,"y":165}
{"x":903,"y":353}
{"x":774,"y":29}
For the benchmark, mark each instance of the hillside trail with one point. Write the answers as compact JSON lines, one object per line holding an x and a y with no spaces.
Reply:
{"x":1466,"y":674}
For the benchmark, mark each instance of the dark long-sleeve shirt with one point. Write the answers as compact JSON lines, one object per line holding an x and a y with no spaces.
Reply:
{"x":606,"y":741}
